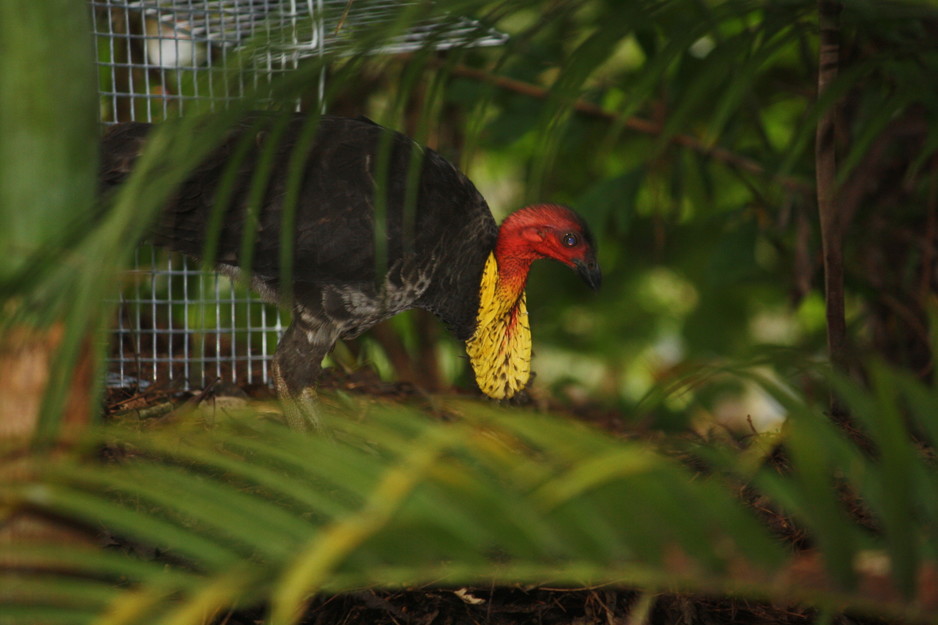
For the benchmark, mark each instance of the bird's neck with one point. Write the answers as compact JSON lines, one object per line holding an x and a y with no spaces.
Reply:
{"x":513,"y":256}
{"x":500,"y":347}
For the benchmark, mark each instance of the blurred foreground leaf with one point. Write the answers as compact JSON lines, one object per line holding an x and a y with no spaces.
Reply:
{"x":246,"y":513}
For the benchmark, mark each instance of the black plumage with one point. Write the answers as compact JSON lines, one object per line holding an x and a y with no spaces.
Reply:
{"x":435,"y":229}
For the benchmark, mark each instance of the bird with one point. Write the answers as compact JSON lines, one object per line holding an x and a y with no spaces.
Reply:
{"x":379,"y":224}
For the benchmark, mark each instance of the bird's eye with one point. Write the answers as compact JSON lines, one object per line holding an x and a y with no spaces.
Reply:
{"x":569,"y":239}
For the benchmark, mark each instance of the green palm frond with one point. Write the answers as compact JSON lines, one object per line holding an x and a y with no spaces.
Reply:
{"x":209,"y":518}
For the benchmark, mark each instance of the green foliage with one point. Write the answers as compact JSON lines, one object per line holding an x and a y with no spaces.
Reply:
{"x":712,"y":179}
{"x":205,"y":518}
{"x":47,"y":131}
{"x":683,"y":130}
{"x":47,"y":117}
{"x":865,"y":497}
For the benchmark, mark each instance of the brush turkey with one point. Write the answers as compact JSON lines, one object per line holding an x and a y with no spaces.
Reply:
{"x":379,"y":225}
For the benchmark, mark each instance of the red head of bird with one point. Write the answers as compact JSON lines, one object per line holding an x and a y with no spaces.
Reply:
{"x":500,"y":348}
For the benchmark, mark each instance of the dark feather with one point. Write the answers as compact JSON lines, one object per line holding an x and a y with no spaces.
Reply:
{"x":438,"y":230}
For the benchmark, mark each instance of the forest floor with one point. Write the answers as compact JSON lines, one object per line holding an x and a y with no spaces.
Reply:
{"x":509,"y":605}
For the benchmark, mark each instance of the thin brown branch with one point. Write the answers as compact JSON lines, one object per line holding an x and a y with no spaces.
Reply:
{"x":644,"y":126}
{"x":348,"y":7}
{"x":827,"y":193}
{"x":931,"y":226}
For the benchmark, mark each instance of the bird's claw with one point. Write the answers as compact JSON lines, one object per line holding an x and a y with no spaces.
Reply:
{"x":301,"y":411}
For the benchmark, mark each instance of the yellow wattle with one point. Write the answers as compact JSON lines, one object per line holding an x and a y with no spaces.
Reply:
{"x":500,"y":348}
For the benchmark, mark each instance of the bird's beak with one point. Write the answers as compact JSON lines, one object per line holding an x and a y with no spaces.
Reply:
{"x":589,"y":270}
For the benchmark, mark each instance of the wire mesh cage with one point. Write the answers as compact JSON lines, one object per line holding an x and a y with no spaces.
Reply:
{"x":177,"y":324}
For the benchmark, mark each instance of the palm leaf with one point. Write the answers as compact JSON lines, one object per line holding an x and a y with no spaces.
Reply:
{"x":250,"y":512}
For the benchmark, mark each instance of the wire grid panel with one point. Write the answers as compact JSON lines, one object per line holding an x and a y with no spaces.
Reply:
{"x":151,"y":52}
{"x":175,"y":323}
{"x":314,"y":25}
{"x":154,"y":57}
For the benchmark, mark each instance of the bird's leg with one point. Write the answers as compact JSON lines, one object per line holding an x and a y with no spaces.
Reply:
{"x":297,"y":365}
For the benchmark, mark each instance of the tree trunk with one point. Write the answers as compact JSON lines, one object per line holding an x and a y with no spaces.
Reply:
{"x":26,"y":358}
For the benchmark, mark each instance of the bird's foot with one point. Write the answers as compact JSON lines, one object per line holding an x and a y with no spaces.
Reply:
{"x":302,"y":411}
